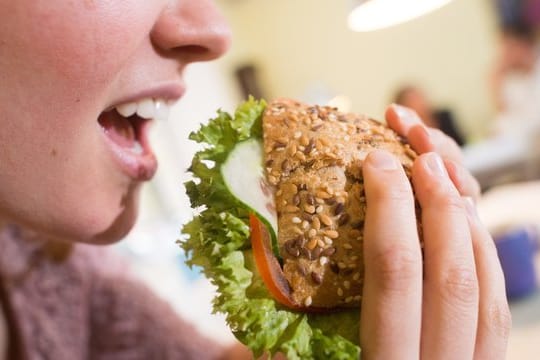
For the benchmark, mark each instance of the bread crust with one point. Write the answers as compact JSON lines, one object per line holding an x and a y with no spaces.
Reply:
{"x":313,"y":158}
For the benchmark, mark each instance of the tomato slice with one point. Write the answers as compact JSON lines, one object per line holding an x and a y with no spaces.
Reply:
{"x":267,"y":264}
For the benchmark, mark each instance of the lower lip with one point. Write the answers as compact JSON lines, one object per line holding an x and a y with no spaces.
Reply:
{"x":139,"y":167}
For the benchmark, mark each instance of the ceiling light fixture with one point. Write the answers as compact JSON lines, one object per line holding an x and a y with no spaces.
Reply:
{"x":371,"y":15}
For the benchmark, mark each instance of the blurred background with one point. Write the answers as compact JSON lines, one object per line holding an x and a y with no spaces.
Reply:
{"x":468,"y":67}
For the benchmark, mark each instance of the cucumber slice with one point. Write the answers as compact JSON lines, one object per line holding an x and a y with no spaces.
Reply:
{"x":243,"y":174}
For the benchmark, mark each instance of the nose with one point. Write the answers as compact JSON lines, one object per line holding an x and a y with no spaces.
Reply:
{"x":193,"y":30}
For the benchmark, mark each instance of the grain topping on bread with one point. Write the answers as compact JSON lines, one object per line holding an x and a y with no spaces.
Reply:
{"x":313,"y":157}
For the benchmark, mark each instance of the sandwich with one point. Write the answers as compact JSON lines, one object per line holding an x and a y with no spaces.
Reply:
{"x":280,"y":206}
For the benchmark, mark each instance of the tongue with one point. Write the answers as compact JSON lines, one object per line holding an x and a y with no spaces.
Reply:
{"x":118,"y":129}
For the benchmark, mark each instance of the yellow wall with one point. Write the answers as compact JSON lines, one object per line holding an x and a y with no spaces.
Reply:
{"x":299,"y":43}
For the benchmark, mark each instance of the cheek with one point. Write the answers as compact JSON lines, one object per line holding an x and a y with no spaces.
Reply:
{"x":56,"y":174}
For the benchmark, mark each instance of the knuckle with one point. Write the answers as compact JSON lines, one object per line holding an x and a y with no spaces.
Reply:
{"x":446,"y":145}
{"x":498,"y":319}
{"x":442,"y":198}
{"x":398,"y":268}
{"x":460,"y":284}
{"x":397,"y":192}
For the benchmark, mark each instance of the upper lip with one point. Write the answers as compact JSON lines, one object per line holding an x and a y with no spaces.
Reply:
{"x":170,"y":91}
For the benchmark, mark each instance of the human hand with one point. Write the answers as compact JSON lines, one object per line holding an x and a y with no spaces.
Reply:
{"x":424,"y":139}
{"x":451,"y":303}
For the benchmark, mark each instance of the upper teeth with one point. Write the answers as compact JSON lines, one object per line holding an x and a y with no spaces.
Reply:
{"x":147,"y":108}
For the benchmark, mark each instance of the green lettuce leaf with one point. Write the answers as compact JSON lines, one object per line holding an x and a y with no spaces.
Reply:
{"x":217,"y":240}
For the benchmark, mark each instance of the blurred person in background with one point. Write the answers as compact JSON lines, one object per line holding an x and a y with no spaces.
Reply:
{"x":415,"y":98}
{"x":515,"y":80}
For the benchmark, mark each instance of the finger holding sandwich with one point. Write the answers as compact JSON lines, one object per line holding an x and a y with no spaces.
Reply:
{"x":424,"y":139}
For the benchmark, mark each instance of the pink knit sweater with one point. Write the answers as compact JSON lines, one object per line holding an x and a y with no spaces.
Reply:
{"x":78,"y":303}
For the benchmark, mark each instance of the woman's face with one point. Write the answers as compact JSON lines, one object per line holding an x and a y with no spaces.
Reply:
{"x":70,"y":165}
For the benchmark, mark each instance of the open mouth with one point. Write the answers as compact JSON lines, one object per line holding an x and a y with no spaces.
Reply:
{"x":125,"y":132}
{"x":126,"y":128}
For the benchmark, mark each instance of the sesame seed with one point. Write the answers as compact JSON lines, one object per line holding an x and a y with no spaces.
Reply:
{"x":340,"y":292}
{"x":305,"y":225}
{"x":356,"y":276}
{"x":358,"y":298}
{"x":312,"y":233}
{"x":306,"y":253}
{"x":304,"y":140}
{"x":297,"y":134}
{"x":339,"y":208}
{"x":296,"y":220}
{"x":302,"y":269}
{"x":323,"y":195}
{"x":279,"y":145}
{"x":309,"y":147}
{"x":316,"y":223}
{"x":341,"y":265}
{"x":293,"y":188}
{"x":286,"y":165}
{"x":332,"y":234}
{"x":334,"y":267}
{"x":323,"y":260}
{"x":324,"y":141}
{"x":347,"y":246}
{"x":291,"y":208}
{"x":283,"y":140}
{"x":329,"y":251}
{"x":347,"y":284}
{"x":309,"y":208}
{"x":343,"y":219}
{"x":348,"y":299}
{"x":320,"y":242}
{"x":325,"y":219}
{"x":308,"y":301}
{"x":300,"y":155}
{"x":319,"y":209}
{"x":317,"y":279}
{"x":291,"y":150}
{"x":328,"y":241}
{"x":307,"y":216}
{"x":312,"y":243}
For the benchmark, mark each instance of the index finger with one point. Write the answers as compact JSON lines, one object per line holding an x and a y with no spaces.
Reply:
{"x":392,"y":295}
{"x":408,"y":124}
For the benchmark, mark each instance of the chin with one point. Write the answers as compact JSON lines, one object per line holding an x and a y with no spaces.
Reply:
{"x":121,"y":225}
{"x":99,"y":227}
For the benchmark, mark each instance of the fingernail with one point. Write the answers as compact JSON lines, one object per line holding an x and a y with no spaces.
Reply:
{"x":382,"y":160}
{"x":406,"y":115}
{"x":435,"y":164}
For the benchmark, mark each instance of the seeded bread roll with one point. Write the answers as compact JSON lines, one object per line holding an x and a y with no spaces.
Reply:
{"x":313,"y":157}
